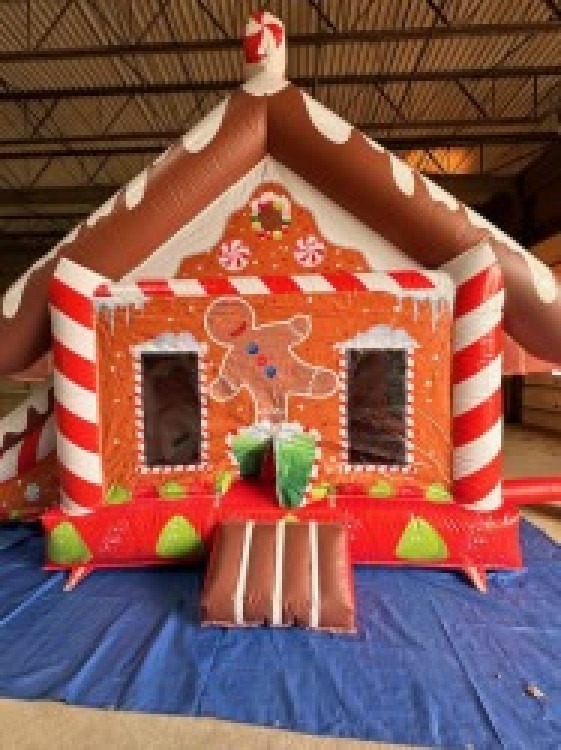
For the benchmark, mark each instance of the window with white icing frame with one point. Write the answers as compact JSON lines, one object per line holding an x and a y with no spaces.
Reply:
{"x":377,"y":400}
{"x":170,"y":402}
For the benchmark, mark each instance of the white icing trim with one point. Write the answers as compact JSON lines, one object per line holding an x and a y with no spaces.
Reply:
{"x":265,"y":84}
{"x":330,"y":125}
{"x":242,"y":576}
{"x":277,"y":587}
{"x":170,"y":342}
{"x":200,"y":136}
{"x":440,"y":195}
{"x":380,"y":336}
{"x":403,"y":175}
{"x":134,"y":191}
{"x":314,"y":575}
{"x":103,"y":211}
{"x":374,"y":144}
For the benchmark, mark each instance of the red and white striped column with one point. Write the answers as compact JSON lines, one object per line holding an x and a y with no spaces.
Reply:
{"x":33,"y":444}
{"x":477,"y":409}
{"x":76,"y":401}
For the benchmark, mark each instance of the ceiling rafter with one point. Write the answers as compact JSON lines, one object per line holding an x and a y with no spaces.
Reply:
{"x":174,"y":87}
{"x":225,"y":43}
{"x":53,"y":24}
{"x":473,"y":100}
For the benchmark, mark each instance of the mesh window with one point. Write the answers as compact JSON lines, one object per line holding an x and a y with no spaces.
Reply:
{"x":376,"y":407}
{"x":172,"y":408}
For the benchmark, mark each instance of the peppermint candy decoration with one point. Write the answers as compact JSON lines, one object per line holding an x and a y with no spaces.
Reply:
{"x":309,"y":251}
{"x":264,"y":34}
{"x":234,"y":256}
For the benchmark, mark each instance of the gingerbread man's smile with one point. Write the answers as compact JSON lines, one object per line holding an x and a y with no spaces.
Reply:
{"x":239,"y":330}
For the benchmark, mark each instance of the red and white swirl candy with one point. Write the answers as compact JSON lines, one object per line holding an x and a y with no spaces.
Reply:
{"x":264,"y":42}
{"x":309,"y":251}
{"x":234,"y":256}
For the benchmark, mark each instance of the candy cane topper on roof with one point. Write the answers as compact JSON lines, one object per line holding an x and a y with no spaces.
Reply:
{"x":264,"y":45}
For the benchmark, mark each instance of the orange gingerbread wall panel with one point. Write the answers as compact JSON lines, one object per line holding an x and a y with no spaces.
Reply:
{"x":272,"y":234}
{"x":198,"y":380}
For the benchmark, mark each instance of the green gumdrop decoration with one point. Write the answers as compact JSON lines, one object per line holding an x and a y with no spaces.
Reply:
{"x":294,"y":458}
{"x":381,"y":489}
{"x":421,"y":541}
{"x":249,"y":451}
{"x":178,"y":538}
{"x":223,"y":481}
{"x":117,"y":494}
{"x":437,"y":493}
{"x":172,"y":490}
{"x":66,"y":546}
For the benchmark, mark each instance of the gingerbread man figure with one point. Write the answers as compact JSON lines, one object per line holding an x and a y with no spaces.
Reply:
{"x":260,"y":359}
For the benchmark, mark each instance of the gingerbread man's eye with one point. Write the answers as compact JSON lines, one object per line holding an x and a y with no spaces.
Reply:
{"x":252,"y":348}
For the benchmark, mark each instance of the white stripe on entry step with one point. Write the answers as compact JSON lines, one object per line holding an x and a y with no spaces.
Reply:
{"x":242,"y":577}
{"x":277,"y":590}
{"x":314,"y":575}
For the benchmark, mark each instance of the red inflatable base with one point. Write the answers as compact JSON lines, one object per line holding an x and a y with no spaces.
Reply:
{"x":382,"y":531}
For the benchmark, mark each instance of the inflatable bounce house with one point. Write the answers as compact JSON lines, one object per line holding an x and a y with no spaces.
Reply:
{"x":276,"y":320}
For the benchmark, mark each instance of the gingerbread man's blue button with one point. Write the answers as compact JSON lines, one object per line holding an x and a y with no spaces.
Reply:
{"x":252,"y":348}
{"x":270,"y":371}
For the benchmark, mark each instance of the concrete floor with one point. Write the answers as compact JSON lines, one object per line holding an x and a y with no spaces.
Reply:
{"x":43,"y":725}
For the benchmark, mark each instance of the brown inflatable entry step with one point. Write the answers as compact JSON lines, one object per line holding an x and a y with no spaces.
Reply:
{"x":280,"y":574}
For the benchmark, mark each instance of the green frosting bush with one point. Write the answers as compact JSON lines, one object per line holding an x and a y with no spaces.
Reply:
{"x":172,"y":490}
{"x":421,"y":541}
{"x":65,"y":546}
{"x":178,"y":538}
{"x":117,"y":494}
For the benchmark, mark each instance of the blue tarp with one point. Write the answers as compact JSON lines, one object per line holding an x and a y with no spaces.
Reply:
{"x":434,"y":662}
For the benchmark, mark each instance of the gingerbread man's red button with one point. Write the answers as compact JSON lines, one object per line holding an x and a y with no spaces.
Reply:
{"x":261,"y":360}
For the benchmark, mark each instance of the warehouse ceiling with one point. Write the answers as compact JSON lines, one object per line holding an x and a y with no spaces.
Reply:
{"x":91,"y":90}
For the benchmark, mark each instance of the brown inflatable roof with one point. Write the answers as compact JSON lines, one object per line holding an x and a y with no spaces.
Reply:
{"x":279,"y":120}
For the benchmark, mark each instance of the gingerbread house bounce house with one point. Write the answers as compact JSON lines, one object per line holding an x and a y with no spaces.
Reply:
{"x":276,"y":319}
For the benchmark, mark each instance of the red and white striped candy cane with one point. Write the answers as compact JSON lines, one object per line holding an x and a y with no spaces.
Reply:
{"x":34,"y":444}
{"x":477,"y":371}
{"x":263,"y":37}
{"x":76,"y":400}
